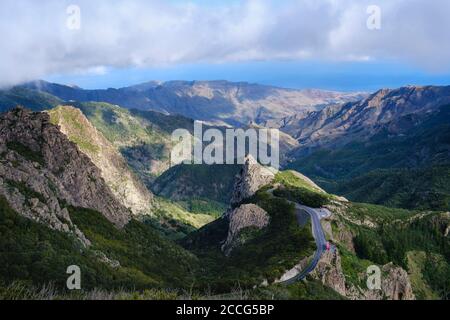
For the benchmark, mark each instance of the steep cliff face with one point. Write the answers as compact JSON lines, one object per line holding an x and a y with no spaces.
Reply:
{"x":113,"y":167}
{"x":41,"y":172}
{"x":252,"y":177}
{"x":245,"y":217}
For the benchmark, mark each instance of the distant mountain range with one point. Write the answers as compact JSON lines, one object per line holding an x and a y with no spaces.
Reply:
{"x":219,"y":102}
{"x":405,"y":132}
{"x":393,"y":111}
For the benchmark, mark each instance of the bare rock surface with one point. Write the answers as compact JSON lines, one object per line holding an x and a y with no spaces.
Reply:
{"x":252,"y":177}
{"x":339,"y":124}
{"x":126,"y":187}
{"x":246,"y":216}
{"x":41,"y":172}
{"x":329,"y":272}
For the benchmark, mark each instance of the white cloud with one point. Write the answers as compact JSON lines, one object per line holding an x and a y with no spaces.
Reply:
{"x":36,"y":41}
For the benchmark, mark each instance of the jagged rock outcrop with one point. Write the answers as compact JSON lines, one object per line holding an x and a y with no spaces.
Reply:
{"x":113,"y":167}
{"x":246,"y":216}
{"x":41,"y":172}
{"x":329,"y":272}
{"x":252,"y":177}
{"x":396,"y":284}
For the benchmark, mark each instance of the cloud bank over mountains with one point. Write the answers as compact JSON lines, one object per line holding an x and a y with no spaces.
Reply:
{"x":149,"y":33}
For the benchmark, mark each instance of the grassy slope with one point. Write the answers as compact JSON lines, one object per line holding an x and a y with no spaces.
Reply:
{"x":77,"y":132}
{"x":175,"y":220}
{"x":297,"y":188}
{"x":427,"y":188}
{"x":416,"y":266}
{"x":145,"y":144}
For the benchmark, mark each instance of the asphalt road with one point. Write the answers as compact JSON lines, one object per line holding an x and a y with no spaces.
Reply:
{"x":319,"y":235}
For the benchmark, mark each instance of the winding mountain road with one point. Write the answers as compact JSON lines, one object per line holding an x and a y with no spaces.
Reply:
{"x":319,"y":235}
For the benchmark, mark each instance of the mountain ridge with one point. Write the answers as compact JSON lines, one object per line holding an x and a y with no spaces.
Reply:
{"x":113,"y":167}
{"x":389,"y":138}
{"x":221,"y":102}
{"x":42,"y":172}
{"x":365,"y":118}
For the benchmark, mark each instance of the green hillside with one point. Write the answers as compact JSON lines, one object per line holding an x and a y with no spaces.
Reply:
{"x":30,"y":99}
{"x":210,"y":182}
{"x":398,"y":236}
{"x":408,"y":170}
{"x":427,"y":188}
{"x":32,"y":252}
{"x":266,"y":254}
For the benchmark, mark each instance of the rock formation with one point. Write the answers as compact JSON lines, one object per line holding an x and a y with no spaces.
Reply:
{"x":329,"y":272}
{"x":395,"y":282}
{"x":113,"y":167}
{"x":252,"y":177}
{"x":41,"y":172}
{"x":246,"y":216}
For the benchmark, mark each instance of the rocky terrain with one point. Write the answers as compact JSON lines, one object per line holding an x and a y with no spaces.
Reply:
{"x":252,"y":177}
{"x":246,"y":216}
{"x":387,"y":109}
{"x":395,"y":284}
{"x":395,"y":281}
{"x":125,"y":186}
{"x":41,"y":172}
{"x":355,"y":230}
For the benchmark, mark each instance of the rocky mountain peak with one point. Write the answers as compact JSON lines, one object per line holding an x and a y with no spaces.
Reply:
{"x":42,"y":172}
{"x":252,"y":177}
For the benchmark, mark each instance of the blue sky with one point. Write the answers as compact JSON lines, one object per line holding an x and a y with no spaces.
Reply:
{"x":291,"y":43}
